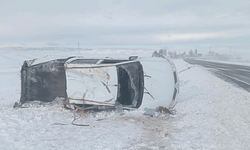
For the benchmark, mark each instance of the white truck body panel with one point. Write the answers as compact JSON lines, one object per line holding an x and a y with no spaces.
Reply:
{"x":96,"y":85}
{"x":158,"y":83}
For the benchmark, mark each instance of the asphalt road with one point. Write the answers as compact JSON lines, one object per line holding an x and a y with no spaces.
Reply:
{"x":237,"y":74}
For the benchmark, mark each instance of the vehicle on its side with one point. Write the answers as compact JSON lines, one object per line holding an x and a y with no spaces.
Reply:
{"x":90,"y":82}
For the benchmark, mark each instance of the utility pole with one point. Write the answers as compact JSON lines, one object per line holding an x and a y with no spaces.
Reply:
{"x":78,"y":48}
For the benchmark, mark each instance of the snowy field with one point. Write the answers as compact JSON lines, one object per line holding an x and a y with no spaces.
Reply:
{"x":210,"y":113}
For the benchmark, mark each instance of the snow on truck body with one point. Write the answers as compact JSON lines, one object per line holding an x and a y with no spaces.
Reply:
{"x":135,"y":83}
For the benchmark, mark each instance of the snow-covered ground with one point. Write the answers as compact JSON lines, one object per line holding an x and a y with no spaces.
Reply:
{"x":210,"y":114}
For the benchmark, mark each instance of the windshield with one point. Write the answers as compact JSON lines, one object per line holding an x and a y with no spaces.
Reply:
{"x":130,"y":84}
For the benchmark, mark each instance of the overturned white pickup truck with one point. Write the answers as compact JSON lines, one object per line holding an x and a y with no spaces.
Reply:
{"x":87,"y":82}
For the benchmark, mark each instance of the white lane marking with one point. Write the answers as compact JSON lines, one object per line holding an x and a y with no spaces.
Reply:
{"x":224,"y":69}
{"x":215,"y":70}
{"x":243,"y":70}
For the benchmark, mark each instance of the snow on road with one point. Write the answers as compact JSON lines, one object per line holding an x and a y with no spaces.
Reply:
{"x":210,"y":114}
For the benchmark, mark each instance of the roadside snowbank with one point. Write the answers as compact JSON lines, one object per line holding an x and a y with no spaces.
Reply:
{"x":210,"y":114}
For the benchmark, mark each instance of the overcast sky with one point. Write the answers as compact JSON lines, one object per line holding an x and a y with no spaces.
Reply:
{"x":125,"y":22}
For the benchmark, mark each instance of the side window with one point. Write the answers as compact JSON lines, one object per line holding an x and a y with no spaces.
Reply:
{"x":84,"y":61}
{"x":112,"y":61}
